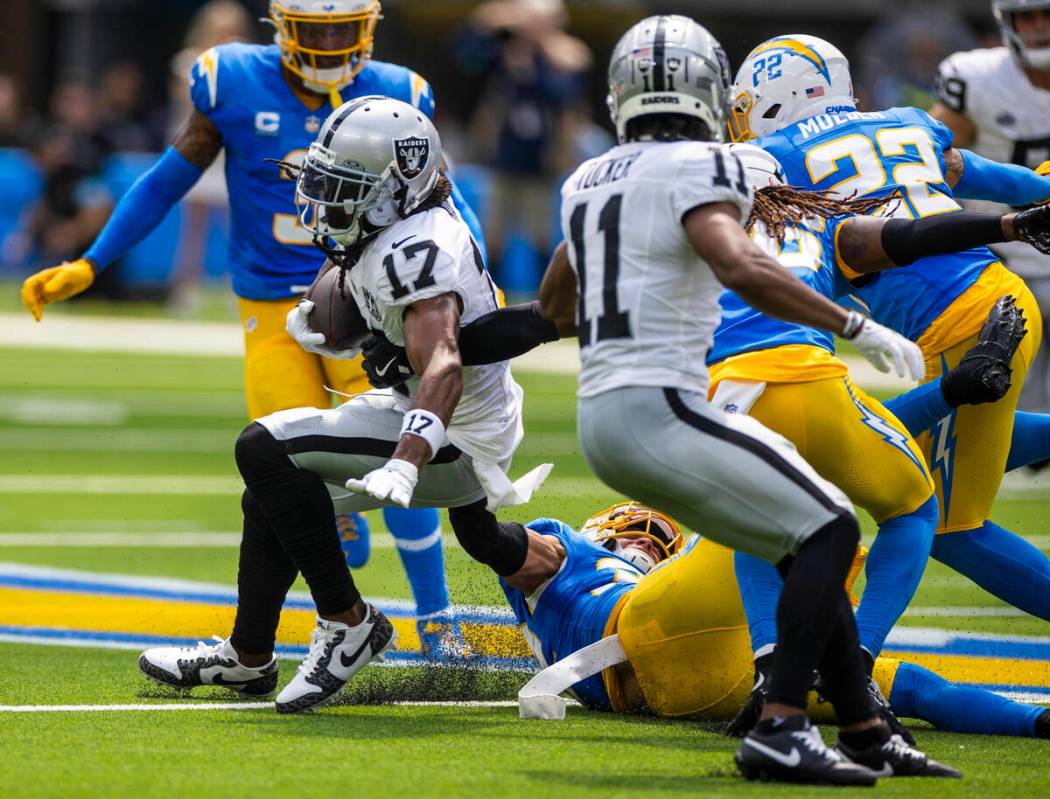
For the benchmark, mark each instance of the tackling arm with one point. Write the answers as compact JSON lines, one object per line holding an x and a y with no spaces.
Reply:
{"x":973,"y":177}
{"x":137,"y":213}
{"x":715,"y":233}
{"x":865,"y":244}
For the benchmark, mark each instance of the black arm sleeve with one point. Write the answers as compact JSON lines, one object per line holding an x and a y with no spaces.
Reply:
{"x":907,"y":240}
{"x":504,"y":334}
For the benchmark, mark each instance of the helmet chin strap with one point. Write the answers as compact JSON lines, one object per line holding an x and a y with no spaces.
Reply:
{"x":636,"y":556}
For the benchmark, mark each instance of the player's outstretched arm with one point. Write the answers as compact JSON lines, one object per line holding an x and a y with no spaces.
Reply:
{"x":136,"y":215}
{"x":866,"y":244}
{"x":431,"y":329}
{"x":544,"y":559}
{"x":717,"y":236}
{"x":974,"y":177}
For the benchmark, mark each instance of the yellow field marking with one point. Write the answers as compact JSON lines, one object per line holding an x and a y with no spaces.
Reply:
{"x":984,"y":670}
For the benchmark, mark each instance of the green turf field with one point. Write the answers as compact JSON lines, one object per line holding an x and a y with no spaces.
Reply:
{"x":105,"y":444}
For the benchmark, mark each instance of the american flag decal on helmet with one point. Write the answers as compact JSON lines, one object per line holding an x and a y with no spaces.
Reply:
{"x":815,"y":91}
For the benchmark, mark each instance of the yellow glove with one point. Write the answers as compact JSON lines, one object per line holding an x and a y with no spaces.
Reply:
{"x":56,"y":283}
{"x":1043,"y":168}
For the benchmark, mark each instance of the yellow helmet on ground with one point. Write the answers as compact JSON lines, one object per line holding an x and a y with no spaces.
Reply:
{"x":325,"y":42}
{"x":632,"y":519}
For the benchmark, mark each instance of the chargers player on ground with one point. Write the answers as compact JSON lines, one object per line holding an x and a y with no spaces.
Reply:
{"x":258,"y":102}
{"x":795,"y":93}
{"x":675,"y":608}
{"x":654,"y":231}
{"x":372,"y":186}
{"x":997,"y":102}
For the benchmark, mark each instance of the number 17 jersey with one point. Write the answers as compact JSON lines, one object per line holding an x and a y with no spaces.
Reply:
{"x":647,"y":303}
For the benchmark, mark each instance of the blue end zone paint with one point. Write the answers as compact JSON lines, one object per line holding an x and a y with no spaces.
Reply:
{"x":471,"y":615}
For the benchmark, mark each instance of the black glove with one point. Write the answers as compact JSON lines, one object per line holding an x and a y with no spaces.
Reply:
{"x":1033,"y":227}
{"x":386,"y":365}
{"x":983,"y":374}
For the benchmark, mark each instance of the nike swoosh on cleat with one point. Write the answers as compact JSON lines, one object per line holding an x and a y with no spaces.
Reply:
{"x":218,"y":680}
{"x":792,"y":759}
{"x":349,"y":661}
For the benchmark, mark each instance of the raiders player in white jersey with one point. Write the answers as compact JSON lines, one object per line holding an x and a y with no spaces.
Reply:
{"x":653,"y":231}
{"x":372,"y":185}
{"x":997,"y":103}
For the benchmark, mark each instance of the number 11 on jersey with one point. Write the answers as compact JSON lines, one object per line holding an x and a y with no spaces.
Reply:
{"x":612,"y":322}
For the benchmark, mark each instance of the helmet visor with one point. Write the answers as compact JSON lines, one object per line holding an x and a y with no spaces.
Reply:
{"x":333,"y":197}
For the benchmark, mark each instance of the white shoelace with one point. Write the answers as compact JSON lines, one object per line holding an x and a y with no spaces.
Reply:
{"x":205,"y":649}
{"x":811,"y":739}
{"x":318,"y":640}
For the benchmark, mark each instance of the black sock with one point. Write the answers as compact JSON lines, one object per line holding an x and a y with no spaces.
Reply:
{"x":1042,"y":724}
{"x":264,"y":575}
{"x":298,"y":508}
{"x":808,"y":611}
{"x":870,"y":736}
{"x":781,"y":723}
{"x":842,"y":670}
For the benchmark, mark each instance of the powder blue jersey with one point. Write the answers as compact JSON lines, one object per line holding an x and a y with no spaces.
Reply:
{"x":572,"y":609}
{"x":873,"y":155}
{"x":808,"y":251}
{"x":241,"y":89}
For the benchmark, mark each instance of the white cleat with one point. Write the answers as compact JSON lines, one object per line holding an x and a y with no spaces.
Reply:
{"x":337,"y":652}
{"x":208,"y":663}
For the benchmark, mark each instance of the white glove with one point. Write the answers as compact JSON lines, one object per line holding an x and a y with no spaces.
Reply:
{"x":309,"y":339}
{"x":884,"y":348}
{"x":394,"y":482}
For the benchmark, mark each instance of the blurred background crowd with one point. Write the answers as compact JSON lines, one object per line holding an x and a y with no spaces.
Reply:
{"x":92,"y":90}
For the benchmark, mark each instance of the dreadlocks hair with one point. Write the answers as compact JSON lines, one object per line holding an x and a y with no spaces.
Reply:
{"x":778,"y":207}
{"x":346,"y":257}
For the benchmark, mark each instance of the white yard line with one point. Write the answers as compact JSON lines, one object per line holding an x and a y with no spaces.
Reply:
{"x":178,"y":337}
{"x":211,"y":485}
{"x":231,"y":706}
{"x":148,"y":540}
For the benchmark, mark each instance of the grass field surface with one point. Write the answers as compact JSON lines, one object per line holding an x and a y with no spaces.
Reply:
{"x":120,"y":464}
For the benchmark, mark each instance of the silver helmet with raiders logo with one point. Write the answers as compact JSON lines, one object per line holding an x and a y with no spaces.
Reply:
{"x":375,"y":159}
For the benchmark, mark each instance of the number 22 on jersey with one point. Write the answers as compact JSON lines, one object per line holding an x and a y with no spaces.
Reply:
{"x":869,"y":168}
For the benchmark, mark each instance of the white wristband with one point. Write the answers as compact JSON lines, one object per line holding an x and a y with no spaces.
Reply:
{"x":426,"y":425}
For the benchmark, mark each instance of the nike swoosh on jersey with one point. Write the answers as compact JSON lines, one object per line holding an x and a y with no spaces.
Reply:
{"x":397,"y":244}
{"x":791,"y":759}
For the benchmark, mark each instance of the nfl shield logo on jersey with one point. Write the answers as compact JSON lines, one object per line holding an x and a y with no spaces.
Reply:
{"x":313,"y":124}
{"x":412,"y":155}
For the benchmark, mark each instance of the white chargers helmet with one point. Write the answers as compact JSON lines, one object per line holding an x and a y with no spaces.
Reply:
{"x":1004,"y":10}
{"x":325,"y":42}
{"x":375,"y":158}
{"x":668,"y":65}
{"x":787,"y":79}
{"x":762,"y":168}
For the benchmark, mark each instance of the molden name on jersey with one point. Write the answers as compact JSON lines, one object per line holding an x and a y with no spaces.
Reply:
{"x":608,"y":171}
{"x":823,"y":122}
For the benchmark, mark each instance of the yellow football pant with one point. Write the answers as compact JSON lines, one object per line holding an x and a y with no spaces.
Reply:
{"x":685,"y":634}
{"x":852,"y":441}
{"x":967,"y":451}
{"x":278,"y":373}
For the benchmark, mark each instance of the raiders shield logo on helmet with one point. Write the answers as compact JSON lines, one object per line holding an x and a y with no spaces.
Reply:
{"x":412,"y":155}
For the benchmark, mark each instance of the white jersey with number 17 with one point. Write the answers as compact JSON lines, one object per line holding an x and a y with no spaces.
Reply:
{"x":647,"y":303}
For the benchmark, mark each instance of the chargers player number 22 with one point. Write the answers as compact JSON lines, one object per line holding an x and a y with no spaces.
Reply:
{"x":869,"y":173}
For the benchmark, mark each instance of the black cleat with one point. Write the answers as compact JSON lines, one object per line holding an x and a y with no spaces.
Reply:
{"x":746,"y":718}
{"x":886,"y":714}
{"x":894,"y":758}
{"x":797,"y":755}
